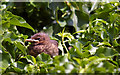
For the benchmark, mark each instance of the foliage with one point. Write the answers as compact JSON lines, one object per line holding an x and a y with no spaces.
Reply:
{"x":88,"y":35}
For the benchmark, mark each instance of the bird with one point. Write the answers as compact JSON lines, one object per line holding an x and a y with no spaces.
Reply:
{"x":41,"y":43}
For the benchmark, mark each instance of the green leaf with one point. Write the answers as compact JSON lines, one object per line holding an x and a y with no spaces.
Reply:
{"x":92,"y":45}
{"x":77,"y":5}
{"x":104,"y":43}
{"x":61,"y":47}
{"x":112,"y":31}
{"x":115,"y":43}
{"x":62,"y":24}
{"x":43,"y":57}
{"x":109,"y":66}
{"x":106,"y":51}
{"x":68,"y":67}
{"x":6,"y":60}
{"x":74,"y":19}
{"x":78,"y":60}
{"x":21,"y":47}
{"x":9,"y":46}
{"x":14,"y":20}
{"x":20,"y":64}
{"x":18,"y":70}
{"x":100,"y":70}
{"x":5,"y":24}
{"x":68,"y":35}
{"x":100,"y":20}
{"x":80,"y":31}
{"x":31,"y":59}
{"x":20,"y":22}
{"x":83,"y":18}
{"x":63,"y":59}
{"x":29,"y":68}
{"x":13,"y":70}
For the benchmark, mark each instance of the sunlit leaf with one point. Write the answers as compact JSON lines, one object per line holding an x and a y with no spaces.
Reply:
{"x":31,"y":59}
{"x":21,"y":23}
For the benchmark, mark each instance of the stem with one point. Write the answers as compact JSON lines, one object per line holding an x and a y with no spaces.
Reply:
{"x":65,"y":47}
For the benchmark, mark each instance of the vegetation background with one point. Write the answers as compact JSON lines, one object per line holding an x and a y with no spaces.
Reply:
{"x":88,"y":34}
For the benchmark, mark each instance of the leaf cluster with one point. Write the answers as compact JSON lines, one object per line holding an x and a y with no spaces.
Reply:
{"x":88,"y":35}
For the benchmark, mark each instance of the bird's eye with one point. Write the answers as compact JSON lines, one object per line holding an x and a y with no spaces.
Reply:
{"x":37,"y":39}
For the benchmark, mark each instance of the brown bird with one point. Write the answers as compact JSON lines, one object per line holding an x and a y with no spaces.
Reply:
{"x":41,"y":42}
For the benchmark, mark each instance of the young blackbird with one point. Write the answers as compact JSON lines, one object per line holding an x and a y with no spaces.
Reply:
{"x":40,"y":42}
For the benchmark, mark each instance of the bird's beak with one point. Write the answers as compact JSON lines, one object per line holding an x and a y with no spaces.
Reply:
{"x":32,"y":40}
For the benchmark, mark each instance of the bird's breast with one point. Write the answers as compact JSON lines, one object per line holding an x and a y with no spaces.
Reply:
{"x":48,"y":48}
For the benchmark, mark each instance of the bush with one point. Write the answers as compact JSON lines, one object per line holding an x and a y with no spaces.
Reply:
{"x":88,"y":35}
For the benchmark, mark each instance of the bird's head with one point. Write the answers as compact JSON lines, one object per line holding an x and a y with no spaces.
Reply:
{"x":38,"y":38}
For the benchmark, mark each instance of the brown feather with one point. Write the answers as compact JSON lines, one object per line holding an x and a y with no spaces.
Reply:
{"x":45,"y":44}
